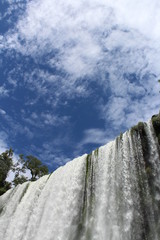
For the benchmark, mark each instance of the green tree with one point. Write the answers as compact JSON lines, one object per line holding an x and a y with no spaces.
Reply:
{"x":36,"y":167}
{"x":19,"y":180}
{"x":19,"y":168}
{"x":6,"y":164}
{"x":31,"y":163}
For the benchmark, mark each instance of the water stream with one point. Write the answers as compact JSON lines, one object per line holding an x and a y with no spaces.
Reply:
{"x":111,"y":194}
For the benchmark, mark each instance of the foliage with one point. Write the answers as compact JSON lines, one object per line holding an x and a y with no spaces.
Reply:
{"x":156,"y":125}
{"x":19,"y":180}
{"x":6,"y":164}
{"x":137,"y":128}
{"x":19,"y":168}
{"x":96,"y":152}
{"x":6,"y":186}
{"x":36,"y":167}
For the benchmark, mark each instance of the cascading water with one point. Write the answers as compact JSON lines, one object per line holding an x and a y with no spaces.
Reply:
{"x":111,"y":194}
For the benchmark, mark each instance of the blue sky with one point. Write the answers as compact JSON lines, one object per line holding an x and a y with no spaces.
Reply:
{"x":74,"y":74}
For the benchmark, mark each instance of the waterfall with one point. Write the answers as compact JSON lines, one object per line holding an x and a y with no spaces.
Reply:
{"x":111,"y":194}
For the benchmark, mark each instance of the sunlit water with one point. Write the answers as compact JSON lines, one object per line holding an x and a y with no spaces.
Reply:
{"x":111,"y":194}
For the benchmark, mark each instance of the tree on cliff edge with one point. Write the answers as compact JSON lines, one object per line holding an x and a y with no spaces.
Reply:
{"x":36,"y":167}
{"x":6,"y":164}
{"x":19,"y":169}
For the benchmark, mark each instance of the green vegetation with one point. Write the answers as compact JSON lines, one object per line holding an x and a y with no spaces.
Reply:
{"x":5,"y":166}
{"x":137,"y":128}
{"x":88,"y":168}
{"x":140,"y":129}
{"x":96,"y":152}
{"x":88,"y":199}
{"x":88,"y":164}
{"x":19,"y":180}
{"x":149,"y":171}
{"x":19,"y":168}
{"x":31,"y":163}
{"x":36,"y":167}
{"x":156,"y":125}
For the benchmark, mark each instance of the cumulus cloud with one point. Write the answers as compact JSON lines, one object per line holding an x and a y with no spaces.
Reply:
{"x":79,"y":33}
{"x":124,"y":111}
{"x":140,"y":15}
{"x":83,"y":44}
{"x":116,"y":41}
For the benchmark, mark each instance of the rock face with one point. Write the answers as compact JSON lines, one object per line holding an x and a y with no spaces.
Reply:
{"x":111,"y":194}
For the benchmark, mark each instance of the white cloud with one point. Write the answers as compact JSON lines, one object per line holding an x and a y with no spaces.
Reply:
{"x":41,"y":120}
{"x":53,"y":119}
{"x":81,"y":39}
{"x":54,"y":86}
{"x":55,"y":157}
{"x":81,"y":30}
{"x":140,"y":15}
{"x":123,"y":112}
{"x":57,"y":160}
{"x":91,"y":38}
{"x":3,"y":142}
{"x":2,"y":112}
{"x":16,"y":127}
{"x":95,"y":136}
{"x":3,"y":91}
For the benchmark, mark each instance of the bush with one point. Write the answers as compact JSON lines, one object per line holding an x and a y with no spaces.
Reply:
{"x":156,"y":125}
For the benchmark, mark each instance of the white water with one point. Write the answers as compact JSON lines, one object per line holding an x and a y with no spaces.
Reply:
{"x":107,"y":195}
